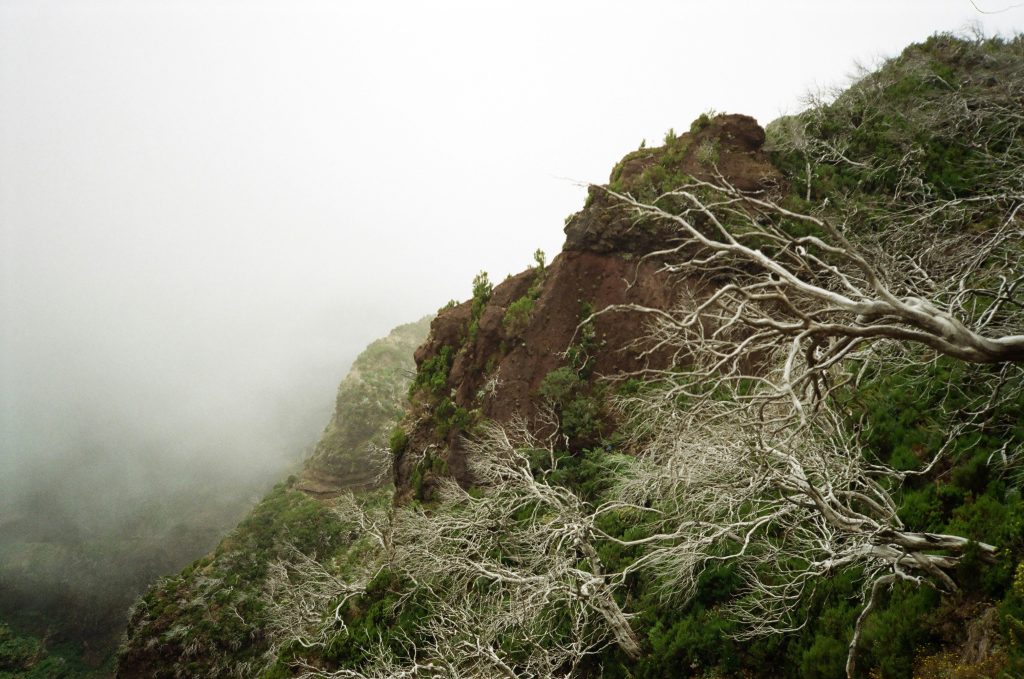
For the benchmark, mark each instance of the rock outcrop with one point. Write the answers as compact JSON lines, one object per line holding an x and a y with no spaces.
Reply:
{"x":497,"y":369}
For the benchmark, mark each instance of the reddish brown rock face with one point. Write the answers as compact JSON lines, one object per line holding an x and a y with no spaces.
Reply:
{"x":601,"y":264}
{"x":520,"y":362}
{"x":735,"y":141}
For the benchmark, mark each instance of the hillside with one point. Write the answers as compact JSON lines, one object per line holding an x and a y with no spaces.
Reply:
{"x":209,"y":619}
{"x":760,"y":417}
{"x":500,"y":354}
{"x":70,"y":578}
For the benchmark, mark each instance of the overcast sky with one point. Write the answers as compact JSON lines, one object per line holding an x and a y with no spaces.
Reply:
{"x":207,"y":208}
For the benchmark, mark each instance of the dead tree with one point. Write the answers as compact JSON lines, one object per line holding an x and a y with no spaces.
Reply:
{"x":919,"y":247}
{"x":509,"y":574}
{"x":747,"y":456}
{"x":526,"y":550}
{"x":810,"y":301}
{"x":789,"y":509}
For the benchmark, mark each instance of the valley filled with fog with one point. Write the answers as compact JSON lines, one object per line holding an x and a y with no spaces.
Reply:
{"x":134,"y":439}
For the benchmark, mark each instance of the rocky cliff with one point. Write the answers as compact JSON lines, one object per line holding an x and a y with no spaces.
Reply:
{"x":544,"y":572}
{"x":210,"y":620}
{"x":489,"y":357}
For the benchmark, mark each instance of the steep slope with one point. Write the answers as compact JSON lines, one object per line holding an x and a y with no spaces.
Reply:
{"x":209,"y":619}
{"x":490,"y":357}
{"x":529,"y":565}
{"x":370,"y":400}
{"x":71,"y":578}
{"x":498,"y":354}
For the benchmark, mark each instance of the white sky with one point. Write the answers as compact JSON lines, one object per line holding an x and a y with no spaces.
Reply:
{"x":208,"y":207}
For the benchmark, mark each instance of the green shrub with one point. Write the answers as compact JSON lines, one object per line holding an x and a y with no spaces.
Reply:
{"x":702,"y":122}
{"x":433,"y":372}
{"x":539,"y":260}
{"x":399,"y":441}
{"x":707,"y":153}
{"x":482,"y":290}
{"x":517,"y":315}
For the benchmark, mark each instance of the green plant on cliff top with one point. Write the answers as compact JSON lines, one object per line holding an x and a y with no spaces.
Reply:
{"x":482,"y":289}
{"x":518,"y":313}
{"x":899,"y":417}
{"x":433,"y":372}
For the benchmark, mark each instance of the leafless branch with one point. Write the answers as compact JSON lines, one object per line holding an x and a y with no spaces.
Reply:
{"x":789,"y":508}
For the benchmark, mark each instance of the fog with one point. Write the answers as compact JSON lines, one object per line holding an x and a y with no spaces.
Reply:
{"x":208,"y":208}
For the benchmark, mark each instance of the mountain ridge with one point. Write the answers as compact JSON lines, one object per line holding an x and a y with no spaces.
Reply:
{"x":359,"y":585}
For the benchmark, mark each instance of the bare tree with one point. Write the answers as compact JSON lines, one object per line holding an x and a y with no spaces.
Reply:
{"x":789,"y":509}
{"x":810,"y":301}
{"x":747,"y":456}
{"x":509,"y":575}
{"x":305,"y":600}
{"x":382,"y":664}
{"x":954,"y":92}
{"x":306,"y":597}
{"x":526,"y":549}
{"x":919,"y":245}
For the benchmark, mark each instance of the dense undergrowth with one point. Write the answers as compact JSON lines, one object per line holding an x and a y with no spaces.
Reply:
{"x":914,"y":628}
{"x":893,"y":144}
{"x":369,"y":400}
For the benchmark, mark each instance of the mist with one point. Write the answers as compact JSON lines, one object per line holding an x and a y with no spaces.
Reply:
{"x":207,"y":209}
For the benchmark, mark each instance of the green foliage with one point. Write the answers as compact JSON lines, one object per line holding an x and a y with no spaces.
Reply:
{"x":899,"y":118}
{"x":578,"y":403}
{"x":22,"y":656}
{"x":482,"y":290}
{"x":432,"y":375}
{"x":660,"y":170}
{"x":580,"y":353}
{"x":15,"y":652}
{"x":374,"y":618}
{"x":450,"y":417}
{"x":370,"y":399}
{"x":430,"y":467}
{"x":707,"y":153}
{"x":590,"y":473}
{"x":894,"y":635}
{"x":1012,"y":617}
{"x":578,"y":400}
{"x":825,"y":658}
{"x":399,"y":441}
{"x":517,"y":315}
{"x":25,"y":658}
{"x":215,"y":604}
{"x":903,"y":417}
{"x":703,"y":121}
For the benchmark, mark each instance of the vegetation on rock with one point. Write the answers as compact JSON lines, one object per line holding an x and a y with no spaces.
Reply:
{"x":812,"y":467}
{"x":211,"y":619}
